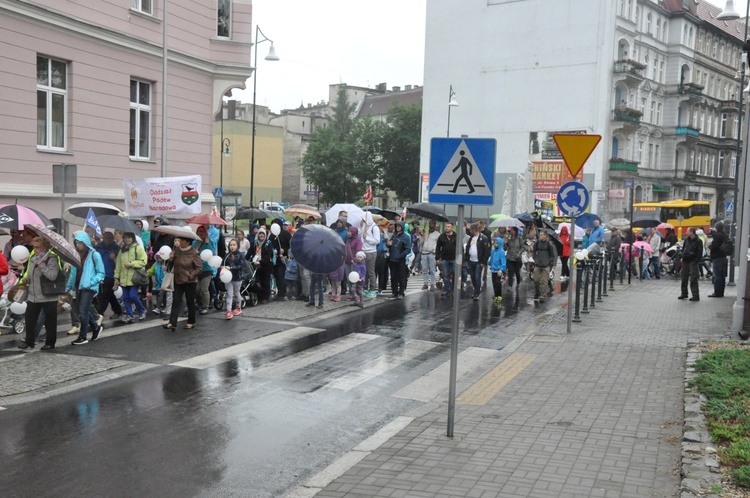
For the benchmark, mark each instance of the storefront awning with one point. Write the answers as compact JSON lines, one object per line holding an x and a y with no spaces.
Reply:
{"x":659,"y":188}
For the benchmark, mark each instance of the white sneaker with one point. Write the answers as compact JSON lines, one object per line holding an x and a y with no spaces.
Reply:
{"x":100,"y":320}
{"x":74,"y":330}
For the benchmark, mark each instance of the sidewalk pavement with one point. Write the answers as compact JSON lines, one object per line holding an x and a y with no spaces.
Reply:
{"x":598,"y":412}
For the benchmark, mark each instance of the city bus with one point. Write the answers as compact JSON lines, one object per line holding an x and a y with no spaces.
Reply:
{"x":694,"y":213}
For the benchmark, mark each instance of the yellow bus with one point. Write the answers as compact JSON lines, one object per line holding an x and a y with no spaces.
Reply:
{"x":681,"y":214}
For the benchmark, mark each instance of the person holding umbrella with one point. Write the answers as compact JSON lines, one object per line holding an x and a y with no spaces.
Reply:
{"x":42,"y":263}
{"x":399,"y":247}
{"x":86,"y":284}
{"x":263,"y":258}
{"x":108,"y":251}
{"x":545,"y":258}
{"x":132,"y":256}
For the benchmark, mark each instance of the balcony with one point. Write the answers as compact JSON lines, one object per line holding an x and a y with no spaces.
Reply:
{"x":629,"y":71}
{"x":619,"y":164}
{"x":626,"y":119}
{"x":730,"y":105}
{"x":688,"y":132}
{"x":692,"y":88}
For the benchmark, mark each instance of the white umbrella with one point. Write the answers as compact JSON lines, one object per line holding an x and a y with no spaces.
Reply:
{"x":580,"y":232}
{"x":76,"y":214}
{"x":183,"y":232}
{"x":354,"y":214}
{"x":506,"y":222}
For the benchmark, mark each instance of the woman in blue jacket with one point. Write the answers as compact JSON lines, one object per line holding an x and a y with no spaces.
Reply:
{"x":86,"y":282}
{"x":497,"y":267}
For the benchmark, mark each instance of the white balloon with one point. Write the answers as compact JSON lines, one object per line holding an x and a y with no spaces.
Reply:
{"x":354,"y":277}
{"x":206,"y":254}
{"x":585,"y":253}
{"x":19,"y":254}
{"x":18,"y":308}
{"x":118,"y":292}
{"x":275,"y":229}
{"x":165,"y":250}
{"x":215,"y":261}
{"x":225,"y":275}
{"x":145,"y":225}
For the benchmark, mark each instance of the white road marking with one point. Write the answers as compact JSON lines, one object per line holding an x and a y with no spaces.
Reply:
{"x":435,"y":383}
{"x":271,"y":341}
{"x":313,"y":355}
{"x":382,"y":363}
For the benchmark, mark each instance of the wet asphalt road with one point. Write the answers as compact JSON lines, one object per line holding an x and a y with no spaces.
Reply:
{"x":251,"y":425}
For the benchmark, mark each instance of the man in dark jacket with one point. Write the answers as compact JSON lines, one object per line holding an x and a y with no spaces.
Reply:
{"x":613,"y":252}
{"x":692,"y":252}
{"x":445,"y":252}
{"x":545,"y":258}
{"x":476,"y":255}
{"x":281,"y":243}
{"x":718,"y":260}
{"x":399,"y":246}
{"x":108,"y":250}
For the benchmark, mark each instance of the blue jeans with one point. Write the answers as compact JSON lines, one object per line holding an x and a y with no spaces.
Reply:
{"x":475,"y":271}
{"x":449,"y":269}
{"x":130,"y":297}
{"x":719,"y":269}
{"x":654,"y":261}
{"x":85,"y":297}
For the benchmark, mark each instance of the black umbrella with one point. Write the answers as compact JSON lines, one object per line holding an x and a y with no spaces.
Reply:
{"x":118,"y":223}
{"x":646,"y":222}
{"x":318,"y":248}
{"x":253,"y":214}
{"x":372,"y":209}
{"x":554,"y":238}
{"x":388,"y":214}
{"x":427,"y":210}
{"x":524,"y":217}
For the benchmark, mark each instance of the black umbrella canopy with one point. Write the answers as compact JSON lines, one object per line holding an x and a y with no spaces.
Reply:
{"x":524,"y":217}
{"x":318,"y":248}
{"x":427,"y":210}
{"x":253,"y":214}
{"x":118,"y":223}
{"x":388,"y":214}
{"x":646,"y":222}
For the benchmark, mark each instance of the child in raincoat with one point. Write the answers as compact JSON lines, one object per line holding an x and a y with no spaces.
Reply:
{"x":497,"y":266}
{"x":336,"y":278}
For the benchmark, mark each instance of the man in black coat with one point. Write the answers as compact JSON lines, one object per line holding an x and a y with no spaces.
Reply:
{"x":692,"y":252}
{"x":281,"y":243}
{"x":476,"y":255}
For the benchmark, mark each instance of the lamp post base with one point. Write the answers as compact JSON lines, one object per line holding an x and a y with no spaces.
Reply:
{"x":738,"y":317}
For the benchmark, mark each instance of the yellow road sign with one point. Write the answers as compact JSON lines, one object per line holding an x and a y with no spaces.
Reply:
{"x":576,"y":149}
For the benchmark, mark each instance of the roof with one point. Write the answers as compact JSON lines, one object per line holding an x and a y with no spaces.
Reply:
{"x":379,"y":105}
{"x":707,"y":12}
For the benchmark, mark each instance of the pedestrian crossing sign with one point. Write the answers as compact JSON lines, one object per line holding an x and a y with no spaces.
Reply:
{"x":462,"y":171}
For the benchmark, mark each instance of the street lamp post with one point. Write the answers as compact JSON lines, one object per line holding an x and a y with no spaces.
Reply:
{"x":225,"y":142}
{"x":451,"y":103}
{"x":270,"y":57}
{"x":729,"y":14}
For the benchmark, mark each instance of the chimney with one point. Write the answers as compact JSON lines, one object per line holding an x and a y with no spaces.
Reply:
{"x":231,"y":110}
{"x":381,"y":86}
{"x":407,"y":87}
{"x":396,"y":88}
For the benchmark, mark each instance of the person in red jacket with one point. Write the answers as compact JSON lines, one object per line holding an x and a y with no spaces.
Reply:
{"x":565,"y":238}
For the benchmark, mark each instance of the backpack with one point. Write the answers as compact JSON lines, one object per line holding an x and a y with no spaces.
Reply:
{"x":727,"y":247}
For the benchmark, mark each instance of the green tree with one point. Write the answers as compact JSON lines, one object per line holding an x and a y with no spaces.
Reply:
{"x":345,"y":156}
{"x":400,"y":147}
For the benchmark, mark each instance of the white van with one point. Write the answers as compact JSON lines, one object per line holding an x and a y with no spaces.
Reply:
{"x":275,"y":208}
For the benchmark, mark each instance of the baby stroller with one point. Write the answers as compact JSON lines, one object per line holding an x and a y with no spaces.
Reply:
{"x":671,"y":260}
{"x":15,"y":322}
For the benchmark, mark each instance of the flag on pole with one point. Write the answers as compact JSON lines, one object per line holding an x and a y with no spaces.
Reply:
{"x":368,"y":196}
{"x":403,"y":214}
{"x":92,"y":222}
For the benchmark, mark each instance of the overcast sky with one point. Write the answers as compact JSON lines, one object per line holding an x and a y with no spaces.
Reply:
{"x":323,"y":42}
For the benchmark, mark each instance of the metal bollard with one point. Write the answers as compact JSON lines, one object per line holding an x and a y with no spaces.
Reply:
{"x":594,"y":272}
{"x":622,"y":269}
{"x":640,"y":264}
{"x":579,"y":277}
{"x":587,"y":274}
{"x":612,"y":267}
{"x":605,"y":275}
{"x":602,"y":280}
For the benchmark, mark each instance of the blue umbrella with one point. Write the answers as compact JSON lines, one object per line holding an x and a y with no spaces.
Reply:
{"x":586,"y":220}
{"x":318,"y":248}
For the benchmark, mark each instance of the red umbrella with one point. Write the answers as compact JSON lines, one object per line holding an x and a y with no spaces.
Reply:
{"x":206,"y":219}
{"x":664,"y":226}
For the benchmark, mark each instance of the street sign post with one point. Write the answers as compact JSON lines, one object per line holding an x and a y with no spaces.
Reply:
{"x":462,"y":171}
{"x":218,"y":193}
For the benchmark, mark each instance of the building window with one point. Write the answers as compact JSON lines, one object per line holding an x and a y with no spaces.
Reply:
{"x":648,"y":24}
{"x":658,"y":29}
{"x":140,"y":119}
{"x":736,"y":126}
{"x":723,"y":131}
{"x":145,"y":6}
{"x":224,"y":19}
{"x":720,"y":173}
{"x":700,"y":42}
{"x":733,"y":164}
{"x":51,"y":102}
{"x":658,"y":114}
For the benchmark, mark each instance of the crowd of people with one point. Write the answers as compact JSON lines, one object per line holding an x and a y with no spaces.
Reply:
{"x":129,"y":273}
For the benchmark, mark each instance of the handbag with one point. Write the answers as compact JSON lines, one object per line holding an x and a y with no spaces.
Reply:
{"x":167,"y":282}
{"x":54,"y":287}
{"x":140,"y":277}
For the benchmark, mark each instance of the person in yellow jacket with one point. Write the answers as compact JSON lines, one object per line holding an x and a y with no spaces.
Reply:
{"x":131,"y":257}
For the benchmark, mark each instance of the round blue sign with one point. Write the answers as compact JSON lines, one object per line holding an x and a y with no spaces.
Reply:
{"x":573,"y":198}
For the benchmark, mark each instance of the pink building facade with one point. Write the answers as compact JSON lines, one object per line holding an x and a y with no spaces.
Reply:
{"x":82,"y":83}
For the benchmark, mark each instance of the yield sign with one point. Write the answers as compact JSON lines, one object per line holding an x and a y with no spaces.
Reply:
{"x":576,"y":149}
